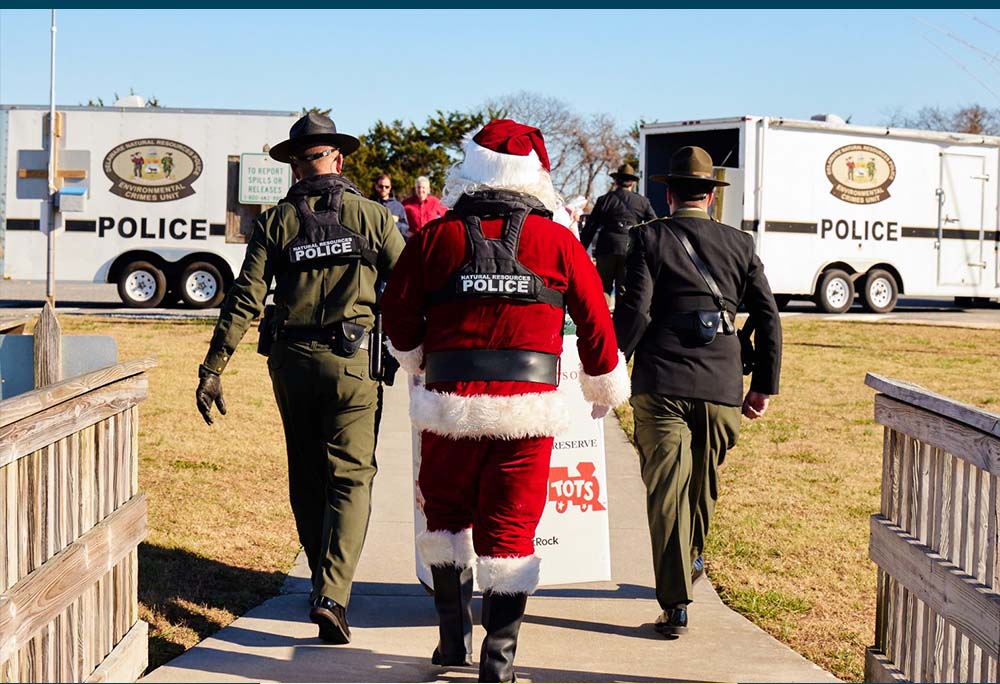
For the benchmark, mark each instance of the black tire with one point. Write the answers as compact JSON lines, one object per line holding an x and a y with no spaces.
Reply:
{"x":142,"y":285}
{"x":200,"y":285}
{"x":835,"y":292}
{"x":880,"y":291}
{"x":782,"y":301}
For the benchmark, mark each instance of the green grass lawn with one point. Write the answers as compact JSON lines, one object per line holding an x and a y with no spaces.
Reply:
{"x":788,"y":548}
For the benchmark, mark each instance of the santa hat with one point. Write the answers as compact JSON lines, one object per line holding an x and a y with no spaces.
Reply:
{"x":505,"y":153}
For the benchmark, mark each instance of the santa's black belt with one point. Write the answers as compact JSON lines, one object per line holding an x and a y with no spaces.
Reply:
{"x":491,"y":364}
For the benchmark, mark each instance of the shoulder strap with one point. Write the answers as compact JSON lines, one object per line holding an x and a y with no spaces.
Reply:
{"x":702,"y":267}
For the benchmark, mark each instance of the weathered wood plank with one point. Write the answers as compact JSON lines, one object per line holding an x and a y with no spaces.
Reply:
{"x":129,"y":658}
{"x":951,"y":593}
{"x":24,"y":405}
{"x":14,"y":325}
{"x":45,"y":427}
{"x":38,"y":598}
{"x":878,"y":668}
{"x":918,"y":396}
{"x":974,"y":446}
{"x":48,"y":348}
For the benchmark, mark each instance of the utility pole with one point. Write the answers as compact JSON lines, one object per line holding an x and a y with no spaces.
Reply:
{"x":50,"y":285}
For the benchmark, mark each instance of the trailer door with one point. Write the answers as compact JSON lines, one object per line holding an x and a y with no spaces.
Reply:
{"x":961,"y":258}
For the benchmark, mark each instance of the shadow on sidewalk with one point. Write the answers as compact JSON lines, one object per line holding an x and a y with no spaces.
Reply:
{"x":183,"y":592}
{"x":312,"y":661}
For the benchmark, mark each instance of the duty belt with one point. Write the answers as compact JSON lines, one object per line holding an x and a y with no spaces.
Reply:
{"x":327,"y":335}
{"x":491,"y":364}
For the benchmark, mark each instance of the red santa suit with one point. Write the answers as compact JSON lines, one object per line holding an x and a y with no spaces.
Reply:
{"x":486,"y":442}
{"x":496,"y":432}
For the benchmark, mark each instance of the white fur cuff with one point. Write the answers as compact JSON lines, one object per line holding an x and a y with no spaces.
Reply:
{"x":610,"y":389}
{"x":410,"y":361}
{"x":512,"y":575}
{"x":442,"y":547}
{"x":542,"y":414}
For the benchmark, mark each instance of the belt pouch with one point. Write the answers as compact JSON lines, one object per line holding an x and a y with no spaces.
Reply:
{"x":707,"y":324}
{"x":350,"y":337}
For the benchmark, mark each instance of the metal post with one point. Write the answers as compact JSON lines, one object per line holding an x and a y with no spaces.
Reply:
{"x":50,"y":285}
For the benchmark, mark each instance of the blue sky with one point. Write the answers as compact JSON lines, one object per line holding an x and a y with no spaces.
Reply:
{"x":657,"y":64}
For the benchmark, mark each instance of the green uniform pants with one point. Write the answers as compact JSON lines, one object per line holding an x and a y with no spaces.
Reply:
{"x":330,"y":409}
{"x":681,"y":444}
{"x":611,"y":268}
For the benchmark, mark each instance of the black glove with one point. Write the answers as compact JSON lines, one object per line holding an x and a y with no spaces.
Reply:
{"x":209,"y":392}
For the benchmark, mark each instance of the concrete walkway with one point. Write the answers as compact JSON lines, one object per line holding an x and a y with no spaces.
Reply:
{"x":598,"y":632}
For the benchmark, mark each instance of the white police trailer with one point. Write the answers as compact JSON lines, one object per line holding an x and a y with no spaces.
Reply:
{"x":837,"y":209}
{"x":150,"y":197}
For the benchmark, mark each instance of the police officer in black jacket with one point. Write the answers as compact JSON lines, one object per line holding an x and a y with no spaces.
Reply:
{"x":687,"y":380}
{"x":613,"y":215}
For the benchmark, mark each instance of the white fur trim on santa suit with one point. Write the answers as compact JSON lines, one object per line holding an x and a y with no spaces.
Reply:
{"x":543,"y":414}
{"x":515,"y":575}
{"x":610,"y":389}
{"x":446,"y":548}
{"x":410,"y":361}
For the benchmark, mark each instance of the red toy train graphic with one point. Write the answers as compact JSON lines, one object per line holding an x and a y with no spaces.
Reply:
{"x":582,"y":490}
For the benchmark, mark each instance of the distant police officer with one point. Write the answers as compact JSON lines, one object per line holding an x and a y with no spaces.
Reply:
{"x":686,"y":276}
{"x":326,"y":248}
{"x":613,"y":215}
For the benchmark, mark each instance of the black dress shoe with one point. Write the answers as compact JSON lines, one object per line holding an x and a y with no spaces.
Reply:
{"x":672,"y":621}
{"x":332,"y":620}
{"x":697,"y":568}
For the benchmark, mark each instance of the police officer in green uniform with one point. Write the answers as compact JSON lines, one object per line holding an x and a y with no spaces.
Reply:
{"x":327,"y":249}
{"x":685,"y":278}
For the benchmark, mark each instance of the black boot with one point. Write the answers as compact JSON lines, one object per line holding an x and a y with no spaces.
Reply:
{"x":453,"y":601}
{"x":502,"y":615}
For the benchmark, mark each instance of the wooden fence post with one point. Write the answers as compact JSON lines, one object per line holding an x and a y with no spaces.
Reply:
{"x":48,"y":356}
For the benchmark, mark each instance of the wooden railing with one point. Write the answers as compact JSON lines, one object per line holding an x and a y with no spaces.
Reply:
{"x":935,"y":539}
{"x":71,"y":519}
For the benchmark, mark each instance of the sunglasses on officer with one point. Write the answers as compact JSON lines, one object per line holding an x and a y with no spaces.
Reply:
{"x":311,"y":157}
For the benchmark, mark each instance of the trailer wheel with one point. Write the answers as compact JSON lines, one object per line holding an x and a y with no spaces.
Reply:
{"x":200,"y":285}
{"x":835,"y":293}
{"x":142,"y":285}
{"x":880,"y":291}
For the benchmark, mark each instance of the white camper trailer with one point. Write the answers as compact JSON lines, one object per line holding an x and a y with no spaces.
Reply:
{"x":838,"y":209}
{"x":159,"y":201}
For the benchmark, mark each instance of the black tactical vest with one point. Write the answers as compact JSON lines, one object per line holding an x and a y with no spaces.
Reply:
{"x":493,"y":270}
{"x":322,"y":239}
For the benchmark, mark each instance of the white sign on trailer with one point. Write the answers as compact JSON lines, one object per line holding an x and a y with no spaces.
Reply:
{"x":262,"y":179}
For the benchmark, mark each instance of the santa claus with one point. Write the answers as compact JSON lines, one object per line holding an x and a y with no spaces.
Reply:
{"x":476,"y":303}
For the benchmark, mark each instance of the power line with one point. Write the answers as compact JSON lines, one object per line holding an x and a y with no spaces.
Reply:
{"x":963,"y":67}
{"x":990,"y":58}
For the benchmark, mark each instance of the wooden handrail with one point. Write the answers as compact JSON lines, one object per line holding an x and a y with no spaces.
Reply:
{"x":23,"y":405}
{"x":918,"y":396}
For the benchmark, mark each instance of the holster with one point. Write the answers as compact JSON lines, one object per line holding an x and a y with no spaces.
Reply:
{"x":382,"y":366}
{"x":266,"y":330}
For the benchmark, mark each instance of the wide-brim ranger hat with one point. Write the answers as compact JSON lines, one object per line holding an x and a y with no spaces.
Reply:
{"x":311,"y":130}
{"x":505,"y":154}
{"x":690,"y":164}
{"x":625,"y":172}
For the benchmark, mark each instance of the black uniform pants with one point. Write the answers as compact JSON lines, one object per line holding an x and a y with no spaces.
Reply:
{"x":611,"y":268}
{"x":330,"y":409}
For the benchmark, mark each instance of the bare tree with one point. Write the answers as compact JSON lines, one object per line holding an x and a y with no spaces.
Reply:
{"x":974,"y":119}
{"x":580,"y":149}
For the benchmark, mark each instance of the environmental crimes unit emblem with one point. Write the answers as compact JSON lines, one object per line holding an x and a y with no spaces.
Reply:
{"x":152,"y":170}
{"x":860,"y":174}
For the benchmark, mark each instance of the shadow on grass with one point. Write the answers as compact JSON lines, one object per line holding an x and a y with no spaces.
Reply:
{"x":190,"y":592}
